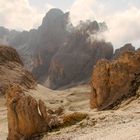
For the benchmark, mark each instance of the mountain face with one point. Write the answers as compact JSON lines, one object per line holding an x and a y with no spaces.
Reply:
{"x":12,"y":70}
{"x":57,"y":53}
{"x":72,"y":65}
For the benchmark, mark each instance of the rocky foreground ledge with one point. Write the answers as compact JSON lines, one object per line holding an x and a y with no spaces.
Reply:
{"x":29,"y":119}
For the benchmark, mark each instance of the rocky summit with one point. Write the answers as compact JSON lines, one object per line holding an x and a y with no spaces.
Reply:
{"x":29,"y":119}
{"x":127,"y":47}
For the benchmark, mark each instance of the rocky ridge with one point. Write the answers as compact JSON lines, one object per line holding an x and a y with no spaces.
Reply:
{"x":12,"y":70}
{"x":127,"y":47}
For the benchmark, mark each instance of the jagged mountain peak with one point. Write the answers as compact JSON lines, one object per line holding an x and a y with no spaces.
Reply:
{"x":52,"y":14}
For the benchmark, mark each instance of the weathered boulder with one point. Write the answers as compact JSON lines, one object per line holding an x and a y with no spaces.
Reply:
{"x":29,"y":119}
{"x":112,"y":81}
{"x":12,"y":70}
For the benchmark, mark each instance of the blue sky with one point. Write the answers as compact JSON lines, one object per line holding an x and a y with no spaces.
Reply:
{"x":121,"y":16}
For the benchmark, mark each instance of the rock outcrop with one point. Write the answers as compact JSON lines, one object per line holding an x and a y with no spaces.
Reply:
{"x":29,"y":119}
{"x":12,"y":70}
{"x":113,"y":81}
{"x":24,"y":119}
{"x":125,"y":48}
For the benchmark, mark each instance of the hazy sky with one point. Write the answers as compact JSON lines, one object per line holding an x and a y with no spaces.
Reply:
{"x":121,"y":16}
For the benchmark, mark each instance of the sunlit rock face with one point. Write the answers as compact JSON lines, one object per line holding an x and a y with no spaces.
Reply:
{"x":113,"y":81}
{"x":27,"y":118}
{"x":12,"y":70}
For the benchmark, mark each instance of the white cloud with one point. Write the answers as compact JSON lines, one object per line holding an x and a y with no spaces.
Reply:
{"x":18,"y":14}
{"x":48,"y":6}
{"x":124,"y":27}
{"x":81,"y":10}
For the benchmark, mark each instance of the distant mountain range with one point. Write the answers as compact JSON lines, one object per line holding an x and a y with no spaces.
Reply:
{"x":59,"y":54}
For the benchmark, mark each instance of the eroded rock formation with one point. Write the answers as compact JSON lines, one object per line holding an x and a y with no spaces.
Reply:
{"x":12,"y":70}
{"x":112,"y":81}
{"x":29,"y":119}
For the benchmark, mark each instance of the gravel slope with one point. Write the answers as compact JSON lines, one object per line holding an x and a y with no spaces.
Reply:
{"x":121,"y":124}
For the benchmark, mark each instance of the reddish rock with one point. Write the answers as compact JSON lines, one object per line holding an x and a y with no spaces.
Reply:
{"x":112,"y":81}
{"x":27,"y":118}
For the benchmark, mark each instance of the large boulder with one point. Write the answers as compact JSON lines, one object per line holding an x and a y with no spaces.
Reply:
{"x":27,"y":118}
{"x":113,"y":81}
{"x":12,"y":70}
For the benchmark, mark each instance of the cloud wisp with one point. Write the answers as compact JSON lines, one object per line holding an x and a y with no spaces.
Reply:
{"x":81,"y":10}
{"x":124,"y":27}
{"x":18,"y":14}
